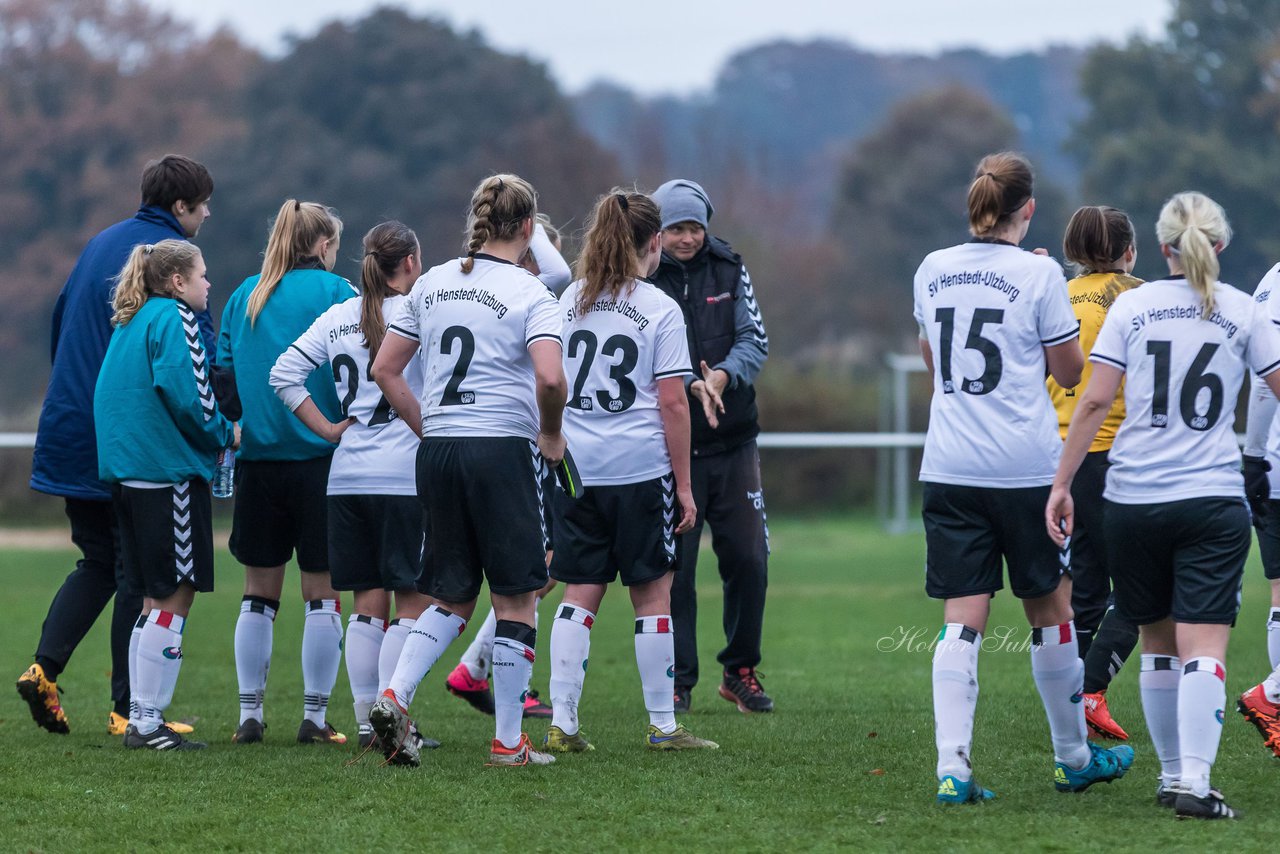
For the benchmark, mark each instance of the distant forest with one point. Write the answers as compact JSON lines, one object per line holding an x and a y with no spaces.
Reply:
{"x":833,"y":170}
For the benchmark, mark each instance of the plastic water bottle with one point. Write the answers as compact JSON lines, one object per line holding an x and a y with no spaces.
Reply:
{"x":224,"y":484}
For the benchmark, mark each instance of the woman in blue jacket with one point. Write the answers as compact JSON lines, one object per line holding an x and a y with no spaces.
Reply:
{"x":283,"y":468}
{"x":158,"y":432}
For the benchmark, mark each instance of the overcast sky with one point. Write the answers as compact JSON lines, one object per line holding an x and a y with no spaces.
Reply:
{"x":677,"y":47}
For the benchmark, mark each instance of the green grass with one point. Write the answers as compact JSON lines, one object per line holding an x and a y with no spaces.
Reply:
{"x":846,"y":761}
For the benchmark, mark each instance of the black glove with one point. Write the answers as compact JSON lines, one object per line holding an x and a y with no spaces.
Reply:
{"x":1257,"y":485}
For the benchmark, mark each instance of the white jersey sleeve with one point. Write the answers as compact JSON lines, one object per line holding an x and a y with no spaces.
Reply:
{"x":1262,"y":434}
{"x":289,"y":374}
{"x":614,"y":356}
{"x":1183,"y":374}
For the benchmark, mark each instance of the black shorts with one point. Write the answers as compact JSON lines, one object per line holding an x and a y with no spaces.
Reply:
{"x":1269,"y":541}
{"x":1183,"y":559}
{"x":280,"y":509}
{"x":611,"y":531}
{"x":166,"y":537}
{"x":968,"y":531}
{"x":484,"y":518}
{"x":375,"y":542}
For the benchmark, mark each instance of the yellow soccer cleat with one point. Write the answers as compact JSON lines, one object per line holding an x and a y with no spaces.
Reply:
{"x":678,"y":739}
{"x":558,"y":741}
{"x":42,"y":697}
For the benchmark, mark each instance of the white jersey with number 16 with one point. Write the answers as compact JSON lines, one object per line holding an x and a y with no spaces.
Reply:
{"x":1182,"y":378}
{"x":474,"y":331}
{"x":988,"y":311}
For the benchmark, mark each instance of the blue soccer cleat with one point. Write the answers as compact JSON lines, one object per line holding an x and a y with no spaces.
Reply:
{"x":1104,"y":766}
{"x":955,"y":791}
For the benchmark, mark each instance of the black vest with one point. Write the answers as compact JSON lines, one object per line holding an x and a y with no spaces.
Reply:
{"x":706,"y":289}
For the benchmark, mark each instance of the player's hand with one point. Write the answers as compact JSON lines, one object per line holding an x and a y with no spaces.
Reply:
{"x":688,"y":510}
{"x":335,"y":431}
{"x":1257,"y":485}
{"x":1059,"y":515}
{"x":235,"y":436}
{"x":1040,"y":250}
{"x":551,"y":447}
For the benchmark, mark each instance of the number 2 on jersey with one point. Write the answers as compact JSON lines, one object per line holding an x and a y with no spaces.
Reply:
{"x":382,"y":413}
{"x":453,"y":393}
{"x":1193,"y":383}
{"x":993,"y":362}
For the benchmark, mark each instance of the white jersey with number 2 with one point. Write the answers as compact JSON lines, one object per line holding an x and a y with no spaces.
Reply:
{"x":376,"y":454}
{"x":473,"y":331}
{"x":614,"y":356}
{"x":1182,"y":378}
{"x":988,"y":310}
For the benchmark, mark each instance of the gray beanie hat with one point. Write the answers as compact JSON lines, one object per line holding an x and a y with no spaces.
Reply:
{"x":681,"y":200}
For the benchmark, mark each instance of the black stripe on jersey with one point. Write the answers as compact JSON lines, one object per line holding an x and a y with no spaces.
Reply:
{"x":544,"y":337}
{"x":304,"y":355}
{"x":1269,"y":368}
{"x":678,"y":372}
{"x":406,"y":333}
{"x":1098,"y":357}
{"x":1063,"y":338}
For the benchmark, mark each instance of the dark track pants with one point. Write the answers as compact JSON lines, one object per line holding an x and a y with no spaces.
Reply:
{"x":726,"y":488}
{"x":98,"y":576}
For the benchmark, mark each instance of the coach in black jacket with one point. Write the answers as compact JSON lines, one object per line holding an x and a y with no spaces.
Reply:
{"x":728,"y":346}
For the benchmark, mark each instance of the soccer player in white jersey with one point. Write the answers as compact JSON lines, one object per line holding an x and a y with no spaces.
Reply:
{"x":470,"y":679}
{"x":1261,"y":704}
{"x":992,"y":317}
{"x":487,"y":334}
{"x":1177,"y":527}
{"x":375,"y":519}
{"x":628,"y":423}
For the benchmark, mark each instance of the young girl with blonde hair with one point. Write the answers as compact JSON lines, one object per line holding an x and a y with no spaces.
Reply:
{"x":158,"y":432}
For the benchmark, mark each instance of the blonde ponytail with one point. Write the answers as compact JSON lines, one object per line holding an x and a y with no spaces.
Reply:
{"x":149,"y":272}
{"x":298,"y":226}
{"x":498,"y":205}
{"x":1192,"y":225}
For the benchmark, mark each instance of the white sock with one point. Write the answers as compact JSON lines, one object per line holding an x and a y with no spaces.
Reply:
{"x":513,"y":645}
{"x":1059,"y":676}
{"x":389,"y":656}
{"x":364,"y":643}
{"x":1158,"y":680}
{"x":1202,"y":694}
{"x":253,"y":652}
{"x":479,"y":654}
{"x":431,"y":635}
{"x":570,"y":648}
{"x":656,"y":658}
{"x":1271,"y":686}
{"x":955,"y":698}
{"x":1273,"y":637}
{"x":133,"y":667}
{"x":321,"y":656}
{"x":159,"y":660}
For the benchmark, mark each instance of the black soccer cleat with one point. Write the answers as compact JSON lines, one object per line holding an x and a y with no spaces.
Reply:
{"x":162,"y":739}
{"x":1211,"y":806}
{"x":742,"y":687}
{"x":249,"y":732}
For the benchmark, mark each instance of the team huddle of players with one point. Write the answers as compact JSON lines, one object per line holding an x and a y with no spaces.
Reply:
{"x":1129,"y":503}
{"x":403,"y":442}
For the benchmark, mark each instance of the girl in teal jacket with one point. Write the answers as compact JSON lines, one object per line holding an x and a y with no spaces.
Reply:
{"x":158,"y":432}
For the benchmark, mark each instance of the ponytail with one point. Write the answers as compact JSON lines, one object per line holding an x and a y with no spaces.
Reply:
{"x":1191,"y":224}
{"x":618,"y":228}
{"x":298,"y":226}
{"x":385,"y":247}
{"x":1096,"y":238}
{"x":498,"y":206}
{"x":1001,"y":185}
{"x":149,"y":272}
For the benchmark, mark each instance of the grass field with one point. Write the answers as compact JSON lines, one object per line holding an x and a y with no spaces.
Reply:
{"x":846,"y":760}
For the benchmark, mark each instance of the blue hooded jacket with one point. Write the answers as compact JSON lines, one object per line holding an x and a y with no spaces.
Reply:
{"x":66,"y":455}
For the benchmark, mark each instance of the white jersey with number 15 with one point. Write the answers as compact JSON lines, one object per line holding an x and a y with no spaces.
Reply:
{"x":988,"y":310}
